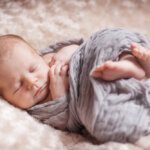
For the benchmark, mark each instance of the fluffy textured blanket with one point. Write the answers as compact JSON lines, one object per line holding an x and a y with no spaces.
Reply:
{"x":109,"y":111}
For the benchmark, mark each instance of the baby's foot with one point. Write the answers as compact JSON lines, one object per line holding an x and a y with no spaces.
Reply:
{"x":143,"y":56}
{"x":116,"y":70}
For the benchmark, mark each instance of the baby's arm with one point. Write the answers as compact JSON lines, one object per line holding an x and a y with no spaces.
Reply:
{"x":62,"y":56}
{"x":142,"y":54}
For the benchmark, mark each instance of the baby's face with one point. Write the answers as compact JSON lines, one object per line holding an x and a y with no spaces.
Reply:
{"x":24,"y":78}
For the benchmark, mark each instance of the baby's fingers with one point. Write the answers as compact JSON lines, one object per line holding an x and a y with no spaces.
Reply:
{"x":64,"y":70}
{"x":52,"y":71}
{"x":58,"y":69}
{"x":48,"y":57}
{"x":51,"y":62}
{"x":57,"y":62}
{"x":55,"y":70}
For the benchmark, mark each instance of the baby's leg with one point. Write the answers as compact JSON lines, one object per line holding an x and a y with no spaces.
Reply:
{"x":126,"y":67}
{"x":143,"y":57}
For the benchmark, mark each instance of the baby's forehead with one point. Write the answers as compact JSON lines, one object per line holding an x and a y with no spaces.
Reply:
{"x":16,"y":62}
{"x":10,"y":43}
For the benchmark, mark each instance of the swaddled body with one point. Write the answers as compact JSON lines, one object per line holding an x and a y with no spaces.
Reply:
{"x":116,"y":110}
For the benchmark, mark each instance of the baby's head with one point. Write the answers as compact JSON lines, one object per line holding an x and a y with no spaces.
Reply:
{"x":23,"y":73}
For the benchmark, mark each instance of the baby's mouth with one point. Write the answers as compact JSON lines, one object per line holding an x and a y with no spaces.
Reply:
{"x":40,"y":89}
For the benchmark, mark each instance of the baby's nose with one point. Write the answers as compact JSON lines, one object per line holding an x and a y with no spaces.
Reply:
{"x":30,"y":83}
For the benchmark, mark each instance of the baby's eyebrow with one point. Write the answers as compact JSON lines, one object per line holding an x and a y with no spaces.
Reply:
{"x":33,"y":64}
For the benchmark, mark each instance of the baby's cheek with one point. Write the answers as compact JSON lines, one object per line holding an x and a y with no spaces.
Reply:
{"x":23,"y":100}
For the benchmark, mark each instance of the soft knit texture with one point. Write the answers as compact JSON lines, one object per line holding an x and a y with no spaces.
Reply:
{"x":109,"y":111}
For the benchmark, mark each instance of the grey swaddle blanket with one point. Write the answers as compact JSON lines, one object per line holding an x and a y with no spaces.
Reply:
{"x":118,"y":110}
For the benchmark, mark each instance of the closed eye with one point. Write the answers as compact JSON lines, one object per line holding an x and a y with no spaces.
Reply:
{"x":32,"y":69}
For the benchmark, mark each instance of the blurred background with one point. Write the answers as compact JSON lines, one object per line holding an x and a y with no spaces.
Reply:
{"x":42,"y":22}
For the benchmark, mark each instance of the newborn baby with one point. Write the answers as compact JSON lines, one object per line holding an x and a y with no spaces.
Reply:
{"x":107,"y":110}
{"x":24,"y":73}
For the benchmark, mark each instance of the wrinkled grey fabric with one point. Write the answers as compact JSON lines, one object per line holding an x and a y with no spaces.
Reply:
{"x":109,"y":111}
{"x":57,"y":46}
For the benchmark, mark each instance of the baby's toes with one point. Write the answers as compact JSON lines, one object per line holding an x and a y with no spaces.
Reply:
{"x":99,"y":68}
{"x":109,"y":65}
{"x":141,"y":55}
{"x":106,"y":66}
{"x":145,"y":56}
{"x":138,"y":53}
{"x":98,"y":71}
{"x":96,"y":74}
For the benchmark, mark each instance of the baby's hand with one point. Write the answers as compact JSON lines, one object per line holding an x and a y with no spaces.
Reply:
{"x":48,"y":57}
{"x":58,"y":58}
{"x":59,"y":84}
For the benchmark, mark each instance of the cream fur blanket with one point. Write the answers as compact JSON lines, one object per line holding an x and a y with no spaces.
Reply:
{"x":19,"y":131}
{"x":43,"y":21}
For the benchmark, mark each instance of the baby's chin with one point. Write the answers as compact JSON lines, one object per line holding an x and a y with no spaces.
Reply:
{"x":46,"y":99}
{"x":43,"y":94}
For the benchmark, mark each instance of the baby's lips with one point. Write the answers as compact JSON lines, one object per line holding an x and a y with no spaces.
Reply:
{"x":40,"y":89}
{"x":37,"y":92}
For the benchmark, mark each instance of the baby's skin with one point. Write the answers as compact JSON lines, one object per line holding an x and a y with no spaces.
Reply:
{"x":143,"y":56}
{"x":135,"y":65}
{"x":25,"y":78}
{"x":58,"y":63}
